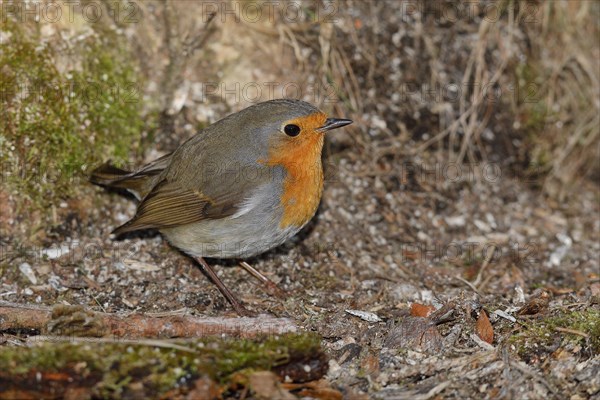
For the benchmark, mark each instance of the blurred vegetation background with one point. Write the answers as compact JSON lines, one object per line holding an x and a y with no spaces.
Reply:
{"x":515,"y":83}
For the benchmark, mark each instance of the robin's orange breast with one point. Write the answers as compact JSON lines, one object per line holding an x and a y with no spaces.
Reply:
{"x":301,"y":158}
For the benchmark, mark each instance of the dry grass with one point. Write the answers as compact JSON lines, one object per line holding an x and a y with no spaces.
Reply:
{"x":567,"y":55}
{"x":508,"y":82}
{"x":524,"y":74}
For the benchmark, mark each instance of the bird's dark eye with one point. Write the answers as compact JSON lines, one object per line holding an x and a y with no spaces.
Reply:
{"x":292,"y":130}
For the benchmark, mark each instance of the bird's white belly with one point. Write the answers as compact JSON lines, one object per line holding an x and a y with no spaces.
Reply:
{"x":253,"y":230}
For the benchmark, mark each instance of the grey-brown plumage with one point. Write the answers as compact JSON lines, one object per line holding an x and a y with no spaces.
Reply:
{"x":238,"y":188}
{"x":228,"y":201}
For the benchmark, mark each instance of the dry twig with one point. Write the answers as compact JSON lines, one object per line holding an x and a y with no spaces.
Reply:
{"x":77,"y":321}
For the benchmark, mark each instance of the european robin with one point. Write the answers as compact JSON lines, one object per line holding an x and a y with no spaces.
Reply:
{"x":238,"y":188}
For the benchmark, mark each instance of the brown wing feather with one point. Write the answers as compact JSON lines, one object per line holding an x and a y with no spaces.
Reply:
{"x":186,"y":192}
{"x":167,"y":205}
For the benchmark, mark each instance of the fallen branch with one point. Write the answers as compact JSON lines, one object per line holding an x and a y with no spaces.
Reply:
{"x":72,"y":321}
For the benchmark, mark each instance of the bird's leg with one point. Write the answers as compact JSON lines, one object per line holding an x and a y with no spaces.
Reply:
{"x":239,"y":308}
{"x":271,"y":286}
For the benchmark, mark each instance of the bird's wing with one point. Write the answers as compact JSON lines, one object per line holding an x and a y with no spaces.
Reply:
{"x":171,"y":203}
{"x":205,"y":179}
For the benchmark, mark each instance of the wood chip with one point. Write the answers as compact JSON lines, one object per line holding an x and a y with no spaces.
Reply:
{"x":139,"y":266}
{"x":365,"y":315}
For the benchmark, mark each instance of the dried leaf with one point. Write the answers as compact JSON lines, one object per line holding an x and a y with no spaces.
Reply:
{"x":415,"y":332}
{"x":421,"y":310}
{"x":265,"y":385}
{"x":537,"y":303}
{"x":484,"y":328}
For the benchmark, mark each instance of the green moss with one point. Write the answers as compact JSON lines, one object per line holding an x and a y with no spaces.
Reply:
{"x":56,"y":122}
{"x":249,"y":355}
{"x":537,"y":285}
{"x":541,"y":333}
{"x":117,"y":366}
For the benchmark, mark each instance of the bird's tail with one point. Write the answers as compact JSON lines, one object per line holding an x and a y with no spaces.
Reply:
{"x":139,"y":182}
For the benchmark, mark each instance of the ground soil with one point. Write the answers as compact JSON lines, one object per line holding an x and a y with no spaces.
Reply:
{"x":395,"y":228}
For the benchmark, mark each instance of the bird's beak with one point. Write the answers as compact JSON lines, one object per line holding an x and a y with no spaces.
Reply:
{"x":334,"y":123}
